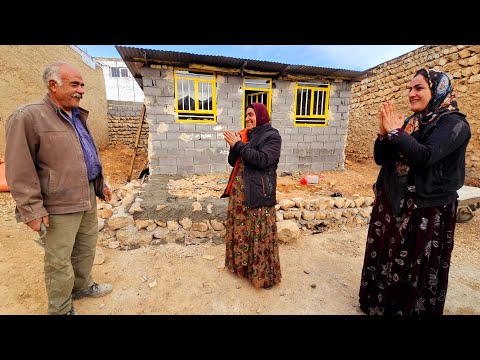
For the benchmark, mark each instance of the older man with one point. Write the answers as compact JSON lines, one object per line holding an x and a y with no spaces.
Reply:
{"x":54,"y":174}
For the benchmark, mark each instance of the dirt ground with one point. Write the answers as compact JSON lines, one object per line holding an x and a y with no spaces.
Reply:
{"x":321,"y":273}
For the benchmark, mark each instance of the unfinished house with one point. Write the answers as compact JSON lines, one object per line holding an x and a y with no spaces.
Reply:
{"x":190,"y":99}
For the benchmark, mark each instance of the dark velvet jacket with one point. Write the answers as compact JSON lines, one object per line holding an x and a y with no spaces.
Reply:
{"x":436,"y":155}
{"x":260,"y":156}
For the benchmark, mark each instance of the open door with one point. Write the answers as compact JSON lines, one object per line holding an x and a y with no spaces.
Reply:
{"x":256,"y":90}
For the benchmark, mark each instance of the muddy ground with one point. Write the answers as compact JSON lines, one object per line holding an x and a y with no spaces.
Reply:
{"x":321,"y":273}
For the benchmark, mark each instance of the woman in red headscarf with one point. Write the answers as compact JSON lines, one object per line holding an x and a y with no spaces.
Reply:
{"x":251,"y":239}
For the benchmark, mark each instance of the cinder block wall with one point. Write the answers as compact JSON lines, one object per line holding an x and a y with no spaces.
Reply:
{"x":123,"y":121}
{"x":390,"y":81}
{"x":312,"y":148}
{"x":181,"y":148}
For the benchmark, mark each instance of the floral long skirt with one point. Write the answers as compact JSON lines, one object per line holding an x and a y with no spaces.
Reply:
{"x":407,"y":258}
{"x":252,"y":250}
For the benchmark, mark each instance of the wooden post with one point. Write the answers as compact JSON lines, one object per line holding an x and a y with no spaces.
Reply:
{"x":139,"y":131}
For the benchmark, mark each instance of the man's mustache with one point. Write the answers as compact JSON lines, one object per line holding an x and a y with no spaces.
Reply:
{"x":77,"y":95}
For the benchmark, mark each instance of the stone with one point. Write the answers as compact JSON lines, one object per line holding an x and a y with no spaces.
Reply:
{"x":288,"y":231}
{"x":99,"y":256}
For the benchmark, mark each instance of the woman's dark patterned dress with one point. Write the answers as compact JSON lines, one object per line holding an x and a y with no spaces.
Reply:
{"x":407,"y":258}
{"x":251,"y":240}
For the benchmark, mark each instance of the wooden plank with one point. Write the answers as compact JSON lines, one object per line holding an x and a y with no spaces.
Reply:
{"x":194,"y":66}
{"x":139,"y":131}
{"x":260,"y":73}
{"x":299,"y":77}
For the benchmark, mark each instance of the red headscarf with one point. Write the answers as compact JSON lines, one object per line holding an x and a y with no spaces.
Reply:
{"x":261,"y":113}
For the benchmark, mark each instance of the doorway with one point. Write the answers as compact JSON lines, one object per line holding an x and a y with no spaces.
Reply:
{"x":256,"y":90}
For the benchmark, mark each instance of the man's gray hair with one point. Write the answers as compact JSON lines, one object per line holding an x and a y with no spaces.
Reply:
{"x":52,"y":72}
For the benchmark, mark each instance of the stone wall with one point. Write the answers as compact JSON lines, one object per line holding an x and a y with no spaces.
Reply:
{"x":390,"y":81}
{"x":21,"y":82}
{"x":194,"y":148}
{"x":123,"y":120}
{"x":128,"y":223}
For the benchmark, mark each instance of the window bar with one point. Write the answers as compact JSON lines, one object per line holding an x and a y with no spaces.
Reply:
{"x":207,"y":90}
{"x":318,"y":101}
{"x":183,"y":99}
{"x":208,"y":93}
{"x":205,"y":96}
{"x":301,"y":102}
{"x":300,"y":97}
{"x":201,"y":96}
{"x":321,"y":109}
{"x":312,"y":101}
{"x":307,"y":105}
{"x":207,"y":103}
{"x":188,"y":87}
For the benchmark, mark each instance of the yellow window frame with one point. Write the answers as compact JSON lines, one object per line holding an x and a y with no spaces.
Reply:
{"x":197,"y":111}
{"x":315,"y":118}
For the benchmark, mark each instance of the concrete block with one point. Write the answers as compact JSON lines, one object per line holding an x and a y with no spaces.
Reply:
{"x":221,"y":168}
{"x":167,"y":160}
{"x":202,"y":144}
{"x":167,"y":169}
{"x":309,"y":138}
{"x":203,"y":169}
{"x":157,"y":137}
{"x":185,"y":160}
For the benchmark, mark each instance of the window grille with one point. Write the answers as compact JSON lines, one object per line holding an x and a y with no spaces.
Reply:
{"x":311,"y":104}
{"x":195,"y":96}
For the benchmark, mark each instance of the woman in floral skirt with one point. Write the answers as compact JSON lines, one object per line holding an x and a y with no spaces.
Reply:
{"x":251,"y":240}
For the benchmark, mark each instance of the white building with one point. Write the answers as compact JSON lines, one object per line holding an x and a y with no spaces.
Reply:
{"x":119,"y":82}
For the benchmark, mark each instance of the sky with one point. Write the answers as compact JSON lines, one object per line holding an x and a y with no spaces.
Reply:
{"x":348,"y":57}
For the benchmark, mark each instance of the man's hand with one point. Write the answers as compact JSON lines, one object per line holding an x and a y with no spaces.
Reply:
{"x":107,"y":193}
{"x":35,"y":224}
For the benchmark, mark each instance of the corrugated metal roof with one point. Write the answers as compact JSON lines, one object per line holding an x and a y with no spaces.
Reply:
{"x":136,"y":58}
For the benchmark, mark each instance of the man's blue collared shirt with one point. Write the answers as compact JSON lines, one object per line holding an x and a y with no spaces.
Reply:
{"x":94,"y":168}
